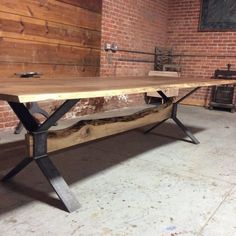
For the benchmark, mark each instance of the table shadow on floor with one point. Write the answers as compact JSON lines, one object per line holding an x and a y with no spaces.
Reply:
{"x":76,"y":163}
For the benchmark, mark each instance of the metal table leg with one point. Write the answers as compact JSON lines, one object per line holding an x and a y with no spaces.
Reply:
{"x":20,"y":166}
{"x":34,"y":108}
{"x":39,"y":133}
{"x":58,"y":183}
{"x":174,"y":117}
{"x":155,"y":126}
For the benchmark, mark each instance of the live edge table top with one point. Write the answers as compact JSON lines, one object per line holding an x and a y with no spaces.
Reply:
{"x":39,"y":89}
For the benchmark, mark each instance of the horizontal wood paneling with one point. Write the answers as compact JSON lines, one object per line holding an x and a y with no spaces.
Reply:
{"x":59,"y":39}
{"x":26,"y":28}
{"x":8,"y":70}
{"x":52,"y":37}
{"x":93,"y":5}
{"x":55,"y":11}
{"x":14,"y":50}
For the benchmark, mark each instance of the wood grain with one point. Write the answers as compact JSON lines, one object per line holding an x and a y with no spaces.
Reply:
{"x":92,"y":5}
{"x":55,"y":11}
{"x":168,"y":92}
{"x":52,"y":37}
{"x":91,"y":87}
{"x":31,"y":29}
{"x":14,"y":50}
{"x":164,"y":73}
{"x":88,"y":130}
{"x":52,"y":71}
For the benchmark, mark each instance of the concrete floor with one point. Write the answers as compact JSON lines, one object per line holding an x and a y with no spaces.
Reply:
{"x":131,"y":184}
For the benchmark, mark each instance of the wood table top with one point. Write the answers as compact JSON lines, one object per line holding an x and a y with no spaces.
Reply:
{"x":39,"y":89}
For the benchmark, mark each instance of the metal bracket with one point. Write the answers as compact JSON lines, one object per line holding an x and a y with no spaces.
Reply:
{"x":39,"y":144}
{"x":33,"y":109}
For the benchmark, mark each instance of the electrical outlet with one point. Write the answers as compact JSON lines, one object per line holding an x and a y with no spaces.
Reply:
{"x":108,"y":46}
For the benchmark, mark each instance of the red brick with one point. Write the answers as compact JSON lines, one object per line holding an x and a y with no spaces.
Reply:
{"x":184,"y":38}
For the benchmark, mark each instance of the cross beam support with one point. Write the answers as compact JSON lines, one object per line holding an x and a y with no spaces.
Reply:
{"x":58,"y":183}
{"x":39,"y":133}
{"x":20,"y":166}
{"x":34,"y":108}
{"x":187,"y":132}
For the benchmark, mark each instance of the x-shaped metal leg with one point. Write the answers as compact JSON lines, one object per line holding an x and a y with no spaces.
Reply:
{"x":33,"y":109}
{"x":174,"y":117}
{"x":39,"y":133}
{"x":20,"y":166}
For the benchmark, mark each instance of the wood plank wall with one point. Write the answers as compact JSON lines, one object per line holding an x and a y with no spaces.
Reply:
{"x":54,"y":37}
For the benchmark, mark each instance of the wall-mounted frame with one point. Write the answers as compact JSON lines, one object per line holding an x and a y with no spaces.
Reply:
{"x":218,"y":15}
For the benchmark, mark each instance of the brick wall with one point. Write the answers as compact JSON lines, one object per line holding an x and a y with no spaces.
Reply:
{"x":51,"y":37}
{"x":142,"y":25}
{"x":206,"y":51}
{"x":133,"y":25}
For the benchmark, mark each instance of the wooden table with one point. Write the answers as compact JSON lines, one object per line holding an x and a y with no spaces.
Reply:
{"x":40,"y":141}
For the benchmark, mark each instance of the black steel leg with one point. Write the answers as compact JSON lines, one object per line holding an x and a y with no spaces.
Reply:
{"x":19,"y":128}
{"x":185,"y":130}
{"x":58,"y":183}
{"x":33,"y":109}
{"x":43,"y":113}
{"x":36,"y":109}
{"x":174,"y":116}
{"x":17,"y":168}
{"x":155,"y":126}
{"x":178,"y":122}
{"x":39,"y":134}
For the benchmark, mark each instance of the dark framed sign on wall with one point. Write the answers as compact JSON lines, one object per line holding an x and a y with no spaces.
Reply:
{"x":218,"y":15}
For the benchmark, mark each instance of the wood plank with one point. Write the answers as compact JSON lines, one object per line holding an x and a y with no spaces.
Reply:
{"x":196,"y":102}
{"x":168,"y":92}
{"x":88,"y":130}
{"x":25,"y":28}
{"x":71,"y":88}
{"x":164,"y":73}
{"x":92,"y":5}
{"x":50,"y":37}
{"x":13,"y":50}
{"x":55,"y":11}
{"x":8,"y":70}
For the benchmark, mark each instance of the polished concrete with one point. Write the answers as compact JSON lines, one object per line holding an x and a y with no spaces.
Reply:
{"x":131,"y":184}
